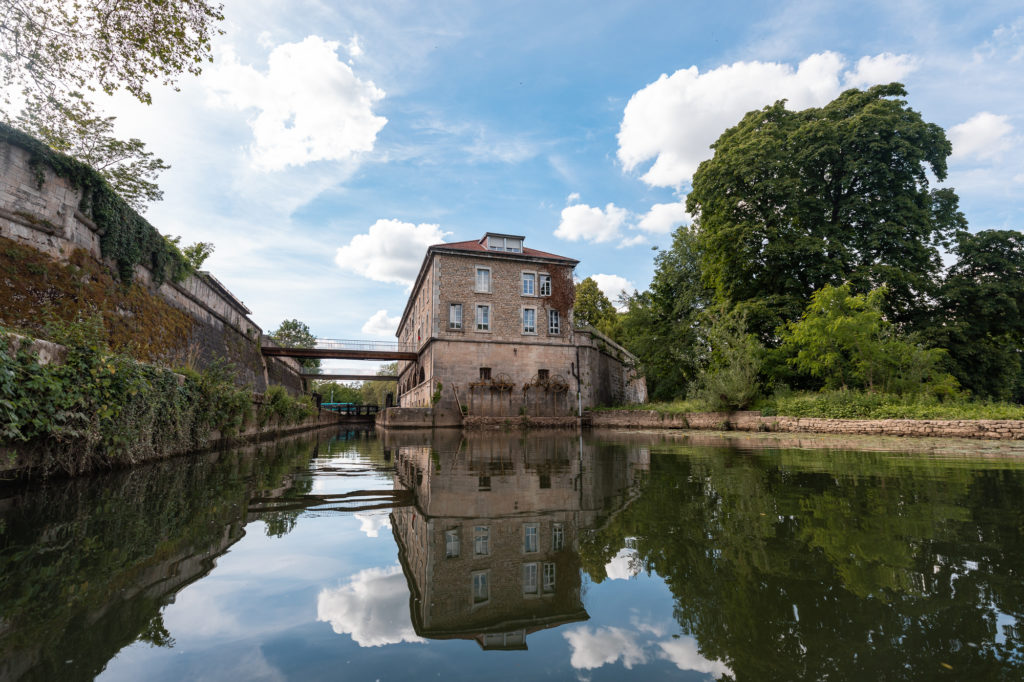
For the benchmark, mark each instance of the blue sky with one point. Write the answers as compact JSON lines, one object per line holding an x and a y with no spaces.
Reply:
{"x":330,"y":142}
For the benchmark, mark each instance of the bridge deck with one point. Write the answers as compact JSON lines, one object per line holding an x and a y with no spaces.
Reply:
{"x":348,"y":377}
{"x":338,"y":354}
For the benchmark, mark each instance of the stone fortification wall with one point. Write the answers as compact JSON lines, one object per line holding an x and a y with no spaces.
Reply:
{"x":608,"y":371}
{"x":1001,"y":429}
{"x":46,"y":217}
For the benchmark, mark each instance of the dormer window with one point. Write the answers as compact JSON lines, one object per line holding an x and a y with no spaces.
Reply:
{"x":501,"y":242}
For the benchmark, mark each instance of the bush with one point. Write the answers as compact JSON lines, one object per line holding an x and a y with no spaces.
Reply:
{"x":867,"y":405}
{"x":277,"y":403}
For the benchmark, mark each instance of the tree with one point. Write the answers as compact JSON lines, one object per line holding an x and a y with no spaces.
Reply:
{"x":337,"y":392}
{"x":981,"y":314}
{"x":74,"y":128}
{"x":374,"y":392}
{"x":296,"y":334}
{"x":729,"y":380}
{"x":794,"y":200}
{"x":663,"y":326}
{"x":49,"y":48}
{"x":196,"y":254}
{"x":845,"y":341}
{"x":593,"y":307}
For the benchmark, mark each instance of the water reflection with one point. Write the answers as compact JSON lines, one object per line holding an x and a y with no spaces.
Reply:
{"x":491,"y":547}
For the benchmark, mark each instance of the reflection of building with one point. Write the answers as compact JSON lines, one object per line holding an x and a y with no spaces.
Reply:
{"x":490,"y":548}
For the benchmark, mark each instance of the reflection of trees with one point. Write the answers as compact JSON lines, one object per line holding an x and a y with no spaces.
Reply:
{"x":837,"y":568}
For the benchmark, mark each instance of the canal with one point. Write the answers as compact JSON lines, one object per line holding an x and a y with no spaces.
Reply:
{"x":344,"y":555}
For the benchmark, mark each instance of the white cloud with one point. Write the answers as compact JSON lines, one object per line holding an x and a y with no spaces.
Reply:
{"x":373,"y":607}
{"x":632,"y":241}
{"x":591,"y":223}
{"x":613,"y":286}
{"x":624,"y":565}
{"x":391,"y":251}
{"x":882,"y":68}
{"x":381,"y":325}
{"x":663,"y":218}
{"x":355,"y":50}
{"x":572,"y":198}
{"x":683,"y":652}
{"x":675,"y":119}
{"x":982,"y":136}
{"x":604,"y":645}
{"x":311,"y":106}
{"x":371,"y":524}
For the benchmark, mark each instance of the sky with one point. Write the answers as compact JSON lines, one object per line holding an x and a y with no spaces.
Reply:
{"x":329,"y":143}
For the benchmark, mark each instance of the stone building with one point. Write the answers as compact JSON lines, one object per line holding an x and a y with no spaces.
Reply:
{"x":490,"y":548}
{"x":491,"y":321}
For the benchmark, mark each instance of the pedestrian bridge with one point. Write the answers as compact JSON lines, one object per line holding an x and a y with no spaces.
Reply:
{"x":345,"y":375}
{"x":343,"y":349}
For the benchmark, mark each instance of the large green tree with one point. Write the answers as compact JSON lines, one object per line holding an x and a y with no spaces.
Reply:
{"x":664,"y":326}
{"x":296,"y":334}
{"x":980,"y":317}
{"x":593,"y":307}
{"x":794,"y":200}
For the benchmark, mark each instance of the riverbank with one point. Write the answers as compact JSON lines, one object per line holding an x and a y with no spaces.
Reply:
{"x":992,"y":429}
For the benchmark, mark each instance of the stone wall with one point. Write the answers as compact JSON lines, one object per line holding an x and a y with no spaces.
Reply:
{"x":47,"y":219}
{"x":1002,"y":429}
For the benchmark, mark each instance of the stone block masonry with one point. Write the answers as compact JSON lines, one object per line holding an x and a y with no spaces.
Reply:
{"x":997,"y":429}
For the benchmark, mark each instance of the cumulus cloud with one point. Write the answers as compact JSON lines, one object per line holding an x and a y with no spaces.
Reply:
{"x":380,"y":324}
{"x":371,"y":524}
{"x":683,"y":653}
{"x":624,"y":565}
{"x":613,"y":286}
{"x":311,"y":106}
{"x":601,"y":646}
{"x":675,"y":119}
{"x":391,"y":251}
{"x":591,"y":223}
{"x":632,"y":241}
{"x":373,"y":607}
{"x":982,"y":136}
{"x":663,"y":218}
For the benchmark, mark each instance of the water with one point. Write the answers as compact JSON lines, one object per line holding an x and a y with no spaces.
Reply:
{"x":494,"y":556}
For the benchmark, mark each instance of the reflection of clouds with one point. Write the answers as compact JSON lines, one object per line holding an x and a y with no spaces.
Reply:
{"x":373,"y":607}
{"x":624,"y":565}
{"x":592,"y":649}
{"x":371,"y":523}
{"x":683,"y":652}
{"x":606,"y":645}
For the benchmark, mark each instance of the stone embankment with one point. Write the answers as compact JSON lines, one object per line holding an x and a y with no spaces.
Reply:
{"x":1001,"y":429}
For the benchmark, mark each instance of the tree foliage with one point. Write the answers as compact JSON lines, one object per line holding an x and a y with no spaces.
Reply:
{"x":74,"y":128}
{"x":593,"y":307}
{"x":729,"y":380}
{"x":49,"y":48}
{"x":795,"y":200}
{"x":295,"y":334}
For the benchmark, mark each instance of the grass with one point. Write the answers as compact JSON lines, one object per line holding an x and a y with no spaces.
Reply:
{"x":855,"y":405}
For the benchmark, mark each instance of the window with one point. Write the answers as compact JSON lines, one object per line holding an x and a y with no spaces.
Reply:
{"x":529,"y":281}
{"x":481,"y":590}
{"x":481,"y":540}
{"x":529,"y":578}
{"x":514,"y":245}
{"x":542,"y":374}
{"x":545,"y":481}
{"x":451,"y":543}
{"x":505,"y":244}
{"x":483,"y":483}
{"x":455,"y":316}
{"x":530,"y":535}
{"x":545,"y":285}
{"x":549,"y":577}
{"x":529,"y":321}
{"x":483,"y":318}
{"x":483,"y":280}
{"x":554,"y":322}
{"x":485,"y":374}
{"x":557,"y":536}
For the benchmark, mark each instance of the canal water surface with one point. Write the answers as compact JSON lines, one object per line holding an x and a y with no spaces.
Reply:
{"x":502,"y":556}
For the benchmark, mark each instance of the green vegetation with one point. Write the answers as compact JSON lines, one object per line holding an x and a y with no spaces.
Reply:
{"x":593,"y":307}
{"x":814,"y":263}
{"x":296,"y":334}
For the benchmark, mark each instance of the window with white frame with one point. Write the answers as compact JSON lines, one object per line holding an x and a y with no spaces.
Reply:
{"x":505,"y":244}
{"x":451,"y":543}
{"x":481,"y":589}
{"x":529,"y":578}
{"x":529,"y":321}
{"x":557,"y":536}
{"x":529,"y":284}
{"x":554,"y":322}
{"x":483,"y":280}
{"x":549,"y":577}
{"x":483,"y":318}
{"x":545,"y":285}
{"x":530,"y":536}
{"x":455,"y":316}
{"x":481,"y":540}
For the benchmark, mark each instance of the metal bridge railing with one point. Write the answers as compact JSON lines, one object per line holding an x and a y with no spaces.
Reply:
{"x":340,"y":370}
{"x":349,"y":344}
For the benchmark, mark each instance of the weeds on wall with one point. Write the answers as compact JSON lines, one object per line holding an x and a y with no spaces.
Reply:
{"x":125,"y":236}
{"x":279,"y":405}
{"x":99,"y":409}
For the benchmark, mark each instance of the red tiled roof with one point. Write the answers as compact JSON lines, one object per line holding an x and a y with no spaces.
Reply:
{"x":475,"y":245}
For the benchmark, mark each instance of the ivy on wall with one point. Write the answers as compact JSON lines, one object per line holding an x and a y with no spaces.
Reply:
{"x":125,"y":236}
